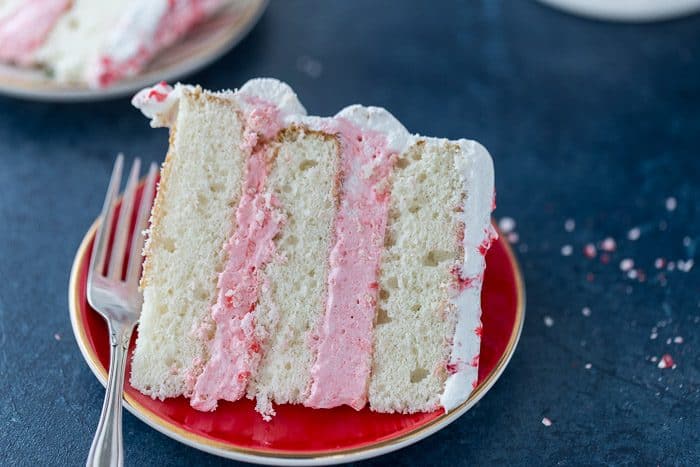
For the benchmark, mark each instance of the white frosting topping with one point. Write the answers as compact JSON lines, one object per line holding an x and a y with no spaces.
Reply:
{"x":274,"y":92}
{"x":160,"y":102}
{"x":378,"y":119}
{"x":476,"y":169}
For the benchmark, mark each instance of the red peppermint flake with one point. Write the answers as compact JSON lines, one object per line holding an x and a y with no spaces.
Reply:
{"x":479,"y":331}
{"x":666,"y":361}
{"x":452,"y":368}
{"x":463,"y":282}
{"x":255,"y":347}
{"x":475,"y":361}
{"x":590,"y":251}
{"x":243,"y":375}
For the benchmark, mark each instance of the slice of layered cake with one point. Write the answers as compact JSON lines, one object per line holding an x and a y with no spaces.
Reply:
{"x":307,"y":260}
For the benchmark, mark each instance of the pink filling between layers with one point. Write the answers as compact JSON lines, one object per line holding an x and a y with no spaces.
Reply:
{"x":234,"y":351}
{"x":343,"y":341}
{"x":25,"y":29}
{"x":180,"y":17}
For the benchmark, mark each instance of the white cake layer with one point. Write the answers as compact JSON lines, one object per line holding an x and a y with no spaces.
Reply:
{"x":192,"y":218}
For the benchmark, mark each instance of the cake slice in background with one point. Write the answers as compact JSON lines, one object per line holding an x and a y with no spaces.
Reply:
{"x":321,"y":261}
{"x":97,"y":42}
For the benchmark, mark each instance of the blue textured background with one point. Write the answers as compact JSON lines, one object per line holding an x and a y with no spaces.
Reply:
{"x":585,"y":120}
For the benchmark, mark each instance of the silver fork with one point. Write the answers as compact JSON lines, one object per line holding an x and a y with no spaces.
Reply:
{"x":117,"y":298}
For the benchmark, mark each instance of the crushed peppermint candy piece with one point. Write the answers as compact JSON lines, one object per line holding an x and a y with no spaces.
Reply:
{"x":585,"y":311}
{"x":634,"y":234}
{"x":678,"y":340}
{"x":590,"y":251}
{"x":546,"y":421}
{"x":588,"y":366}
{"x":569,"y":225}
{"x":687,"y":241}
{"x":513,"y":237}
{"x":57,"y":336}
{"x":506,"y":224}
{"x":666,"y":361}
{"x":653,"y":335}
{"x":567,"y":250}
{"x":659,"y":263}
{"x":671,"y":204}
{"x":548,"y":321}
{"x":608,"y":244}
{"x":626,"y":264}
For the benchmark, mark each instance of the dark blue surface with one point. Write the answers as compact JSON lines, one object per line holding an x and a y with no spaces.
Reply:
{"x":591,"y":121}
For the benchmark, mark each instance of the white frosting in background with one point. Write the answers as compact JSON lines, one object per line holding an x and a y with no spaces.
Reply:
{"x":8,"y":6}
{"x":476,"y":169}
{"x":76,"y":37}
{"x":137,"y":25}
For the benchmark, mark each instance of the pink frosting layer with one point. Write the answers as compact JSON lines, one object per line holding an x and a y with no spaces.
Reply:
{"x":234,"y":351}
{"x":180,"y":17}
{"x":343,"y":341}
{"x":24,"y":30}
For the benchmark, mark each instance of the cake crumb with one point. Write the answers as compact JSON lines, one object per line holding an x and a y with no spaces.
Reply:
{"x":671,"y":204}
{"x":506,"y":224}
{"x":546,"y":421}
{"x":569,"y":225}
{"x":548,"y":321}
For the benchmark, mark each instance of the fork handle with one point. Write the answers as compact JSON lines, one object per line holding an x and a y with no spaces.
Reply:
{"x":108,"y":447}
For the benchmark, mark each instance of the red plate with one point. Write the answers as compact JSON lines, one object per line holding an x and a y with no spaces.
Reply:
{"x":299,"y":435}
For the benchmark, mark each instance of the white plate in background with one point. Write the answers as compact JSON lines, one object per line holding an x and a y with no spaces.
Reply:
{"x":628,"y":10}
